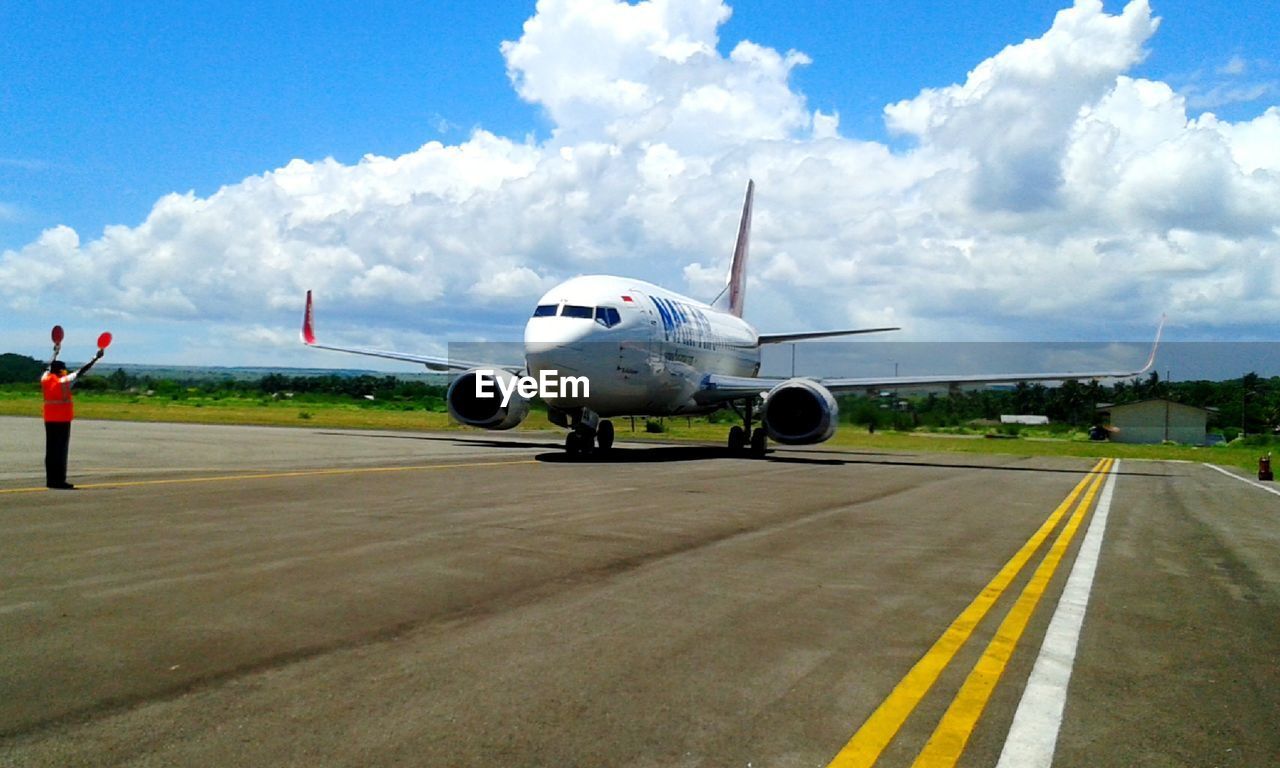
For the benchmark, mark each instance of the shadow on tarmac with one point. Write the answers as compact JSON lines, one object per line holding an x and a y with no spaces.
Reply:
{"x":461,"y":440}
{"x":659,"y":453}
{"x":640,"y":455}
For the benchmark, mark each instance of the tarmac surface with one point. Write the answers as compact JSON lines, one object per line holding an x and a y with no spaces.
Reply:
{"x":260,"y":596}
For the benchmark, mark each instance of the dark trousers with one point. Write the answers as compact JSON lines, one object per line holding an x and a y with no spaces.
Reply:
{"x":57,"y":442}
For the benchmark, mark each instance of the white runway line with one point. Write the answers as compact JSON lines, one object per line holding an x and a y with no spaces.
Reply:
{"x":1233,"y":475}
{"x":1034,"y":732}
{"x":16,"y":607}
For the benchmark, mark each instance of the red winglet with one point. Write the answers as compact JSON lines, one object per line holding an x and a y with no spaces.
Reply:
{"x":308,"y":326}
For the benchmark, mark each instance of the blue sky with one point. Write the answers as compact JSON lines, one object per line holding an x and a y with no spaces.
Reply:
{"x":106,"y":110}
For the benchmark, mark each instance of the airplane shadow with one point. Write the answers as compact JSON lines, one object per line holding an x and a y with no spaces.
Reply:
{"x":646,"y":454}
{"x":955,"y":465}
{"x":460,"y":439}
{"x":632,"y":452}
{"x":659,"y":453}
{"x":652,"y":454}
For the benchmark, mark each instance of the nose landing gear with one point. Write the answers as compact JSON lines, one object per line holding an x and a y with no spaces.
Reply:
{"x":576,"y":443}
{"x":589,"y":434}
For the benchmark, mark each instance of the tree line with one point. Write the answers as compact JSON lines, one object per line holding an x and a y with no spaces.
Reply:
{"x":20,"y":370}
{"x":1251,"y":403}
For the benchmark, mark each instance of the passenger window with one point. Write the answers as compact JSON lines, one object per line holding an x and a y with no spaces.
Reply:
{"x":571,"y":310}
{"x":545,"y":310}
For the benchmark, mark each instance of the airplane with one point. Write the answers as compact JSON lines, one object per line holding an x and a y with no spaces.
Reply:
{"x":648,"y":351}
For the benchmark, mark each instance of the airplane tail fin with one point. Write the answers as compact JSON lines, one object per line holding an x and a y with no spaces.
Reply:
{"x":734,"y":295}
{"x":309,"y":323}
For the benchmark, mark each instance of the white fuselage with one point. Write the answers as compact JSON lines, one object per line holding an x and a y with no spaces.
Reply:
{"x":644,"y":349}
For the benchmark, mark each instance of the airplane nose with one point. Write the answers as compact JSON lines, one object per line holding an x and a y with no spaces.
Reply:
{"x":545,"y":334}
{"x":553,"y":343}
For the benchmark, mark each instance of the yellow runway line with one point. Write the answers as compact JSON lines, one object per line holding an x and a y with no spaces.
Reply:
{"x":952,"y":734}
{"x":275,"y":475}
{"x":869,"y":742}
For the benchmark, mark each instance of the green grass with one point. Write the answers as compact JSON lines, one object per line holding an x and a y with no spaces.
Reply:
{"x":190,"y":409}
{"x":332,"y":413}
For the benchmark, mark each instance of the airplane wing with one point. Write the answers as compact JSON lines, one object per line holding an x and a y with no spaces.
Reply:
{"x":432,"y":362}
{"x":716,"y":388}
{"x":782,"y":338}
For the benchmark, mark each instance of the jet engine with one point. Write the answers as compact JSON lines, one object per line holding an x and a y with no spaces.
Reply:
{"x":466,"y":407}
{"x":800,"y":412}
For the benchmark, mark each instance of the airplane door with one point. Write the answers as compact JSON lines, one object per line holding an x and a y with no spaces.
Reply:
{"x":641,"y":355}
{"x":652,"y":334}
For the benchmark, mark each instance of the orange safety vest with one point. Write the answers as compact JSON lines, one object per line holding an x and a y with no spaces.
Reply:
{"x":57,"y":398}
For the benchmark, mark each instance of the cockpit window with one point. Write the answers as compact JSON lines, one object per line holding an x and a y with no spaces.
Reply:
{"x":608,"y":316}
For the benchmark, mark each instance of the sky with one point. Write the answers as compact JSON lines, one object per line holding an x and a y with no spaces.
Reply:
{"x":180,"y":173}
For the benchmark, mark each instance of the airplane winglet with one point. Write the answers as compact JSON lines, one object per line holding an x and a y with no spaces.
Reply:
{"x":738,"y":270}
{"x":432,"y":362}
{"x":1155,"y":345}
{"x":736,"y":287}
{"x":308,"y":324}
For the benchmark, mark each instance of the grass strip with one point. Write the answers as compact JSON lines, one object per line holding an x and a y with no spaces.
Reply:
{"x":405,"y":417}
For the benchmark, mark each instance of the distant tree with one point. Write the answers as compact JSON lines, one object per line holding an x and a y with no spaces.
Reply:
{"x":17,"y":369}
{"x":1151,"y":388}
{"x":118,"y":381}
{"x":1253,"y":391}
{"x":1029,"y":398}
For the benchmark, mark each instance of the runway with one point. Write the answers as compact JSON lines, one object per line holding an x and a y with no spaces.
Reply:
{"x":260,"y":596}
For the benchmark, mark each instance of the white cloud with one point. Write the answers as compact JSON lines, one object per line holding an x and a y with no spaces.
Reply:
{"x":1050,"y":190}
{"x":514,"y":283}
{"x":1013,"y":116}
{"x":1253,"y":143}
{"x":1235,"y":66}
{"x":628,"y":74}
{"x":30,"y":275}
{"x":1237,"y":81}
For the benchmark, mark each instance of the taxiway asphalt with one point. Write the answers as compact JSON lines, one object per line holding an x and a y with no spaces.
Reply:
{"x":260,"y":596}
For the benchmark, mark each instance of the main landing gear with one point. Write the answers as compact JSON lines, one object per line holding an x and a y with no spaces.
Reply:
{"x":589,"y":434}
{"x":758,"y":443}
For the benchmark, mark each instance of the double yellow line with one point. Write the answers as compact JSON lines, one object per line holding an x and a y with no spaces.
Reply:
{"x":953,"y":731}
